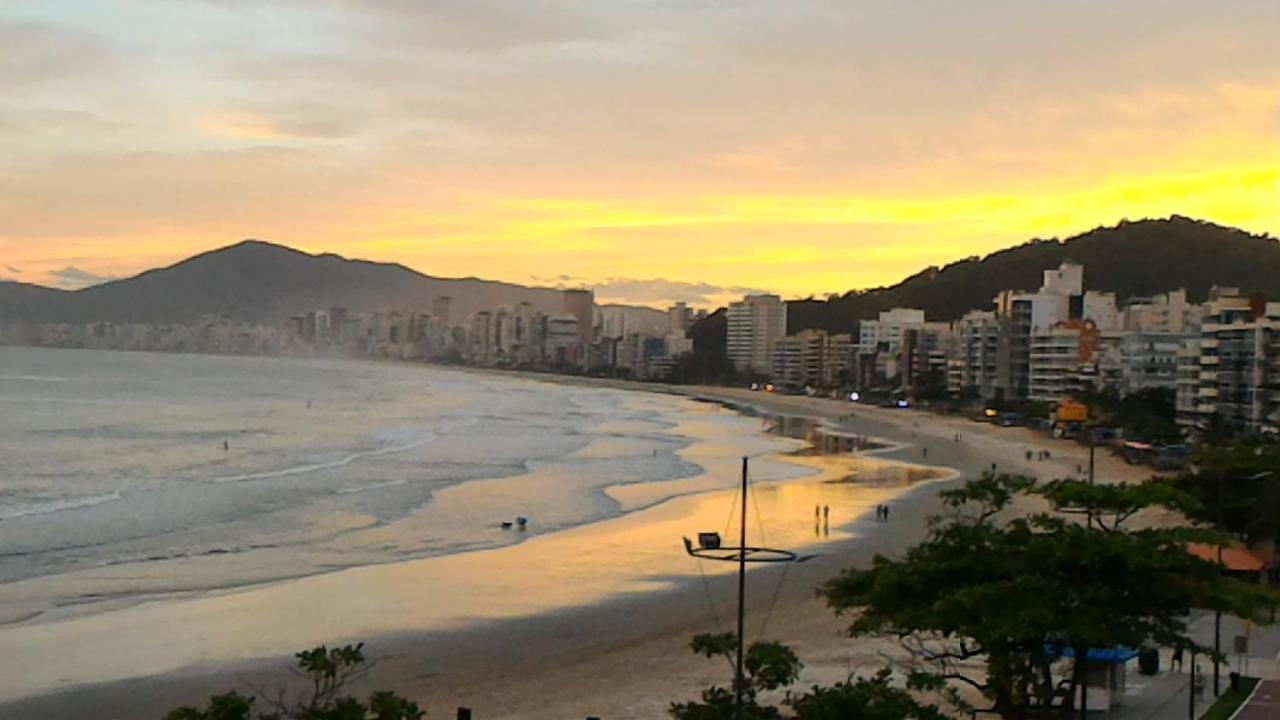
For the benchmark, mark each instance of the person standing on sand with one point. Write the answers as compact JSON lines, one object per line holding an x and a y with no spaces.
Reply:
{"x":925,"y":451}
{"x":1176,"y":663}
{"x":886,"y":513}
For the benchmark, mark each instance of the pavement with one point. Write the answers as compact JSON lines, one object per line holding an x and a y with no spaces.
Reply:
{"x":1164,"y":696}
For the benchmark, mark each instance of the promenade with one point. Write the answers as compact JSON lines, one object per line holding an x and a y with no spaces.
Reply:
{"x":1164,"y":696}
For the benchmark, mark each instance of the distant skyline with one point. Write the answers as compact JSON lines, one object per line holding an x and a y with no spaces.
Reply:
{"x":658,"y":150}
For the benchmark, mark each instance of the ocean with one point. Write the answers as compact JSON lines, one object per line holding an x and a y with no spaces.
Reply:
{"x":131,"y":476}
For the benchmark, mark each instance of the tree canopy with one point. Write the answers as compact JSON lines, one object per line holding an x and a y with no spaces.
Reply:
{"x":995,"y":596}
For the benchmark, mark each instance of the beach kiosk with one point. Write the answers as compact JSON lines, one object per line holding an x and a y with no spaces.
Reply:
{"x":1105,"y":675}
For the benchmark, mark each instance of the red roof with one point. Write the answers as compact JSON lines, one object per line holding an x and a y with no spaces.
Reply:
{"x":1236,"y":558}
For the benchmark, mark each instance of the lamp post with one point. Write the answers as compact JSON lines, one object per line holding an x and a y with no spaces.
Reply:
{"x":709,"y":548}
{"x":1217,"y":614}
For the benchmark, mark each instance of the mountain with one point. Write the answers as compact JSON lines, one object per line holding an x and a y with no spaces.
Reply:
{"x":1131,"y":259}
{"x":259,"y":282}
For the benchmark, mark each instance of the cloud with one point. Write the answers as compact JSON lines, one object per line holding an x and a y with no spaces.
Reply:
{"x":73,"y":278}
{"x":662,"y":292}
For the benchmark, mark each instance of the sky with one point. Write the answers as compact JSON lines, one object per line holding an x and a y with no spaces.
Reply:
{"x":656,"y":150}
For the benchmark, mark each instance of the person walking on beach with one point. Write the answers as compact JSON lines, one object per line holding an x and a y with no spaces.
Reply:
{"x":886,"y":513}
{"x":925,"y":451}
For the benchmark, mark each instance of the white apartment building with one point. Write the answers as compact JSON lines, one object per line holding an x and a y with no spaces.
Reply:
{"x":888,"y":329}
{"x":756,"y":324}
{"x":1062,"y":360}
{"x":1167,"y":313}
{"x":1239,"y":358}
{"x":812,"y":358}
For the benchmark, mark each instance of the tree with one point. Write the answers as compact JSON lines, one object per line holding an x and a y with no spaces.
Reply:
{"x":767,"y":666}
{"x":873,"y":698}
{"x":772,"y":666}
{"x":1013,"y":591}
{"x":1237,"y":486}
{"x":932,"y":387}
{"x":327,"y":671}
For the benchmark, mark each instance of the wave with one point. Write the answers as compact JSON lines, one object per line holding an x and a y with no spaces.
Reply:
{"x":35,"y":378}
{"x":327,"y":465}
{"x":54,"y":506}
{"x":367,"y":488}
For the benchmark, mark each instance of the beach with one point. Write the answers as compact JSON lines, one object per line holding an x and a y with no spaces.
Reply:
{"x":593,"y":619}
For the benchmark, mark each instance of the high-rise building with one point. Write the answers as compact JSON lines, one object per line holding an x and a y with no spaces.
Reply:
{"x":581,"y":304}
{"x":885,"y":333}
{"x":679,"y":317}
{"x":812,"y":359}
{"x":1167,"y":313}
{"x":1239,"y":356}
{"x":756,"y":324}
{"x":1063,"y":360}
{"x":441,"y":309}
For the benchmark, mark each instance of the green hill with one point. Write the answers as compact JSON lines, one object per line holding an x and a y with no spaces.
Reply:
{"x":1130,"y":259}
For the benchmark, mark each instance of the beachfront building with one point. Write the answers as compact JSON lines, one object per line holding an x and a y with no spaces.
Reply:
{"x":978,"y":333}
{"x":679,"y":319}
{"x":812,"y":359}
{"x":885,"y":333}
{"x":1187,"y":383}
{"x":1146,"y":360}
{"x":756,"y":324}
{"x":563,"y":341}
{"x":581,"y":304}
{"x":1239,"y":359}
{"x":1167,"y":313}
{"x":1062,"y":360}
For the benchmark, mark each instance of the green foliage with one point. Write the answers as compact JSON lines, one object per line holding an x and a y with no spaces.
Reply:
{"x":231,"y":706}
{"x":1013,"y":595}
{"x":766,"y":665}
{"x":1237,"y":486}
{"x":1111,"y":505}
{"x":1148,"y":415}
{"x":1226,"y":705}
{"x":773,"y":666}
{"x":328,"y":671}
{"x":1133,"y":258}
{"x":932,"y":387}
{"x":873,"y":698}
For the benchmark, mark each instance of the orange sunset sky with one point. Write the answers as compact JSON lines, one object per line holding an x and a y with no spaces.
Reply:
{"x":655,"y":149}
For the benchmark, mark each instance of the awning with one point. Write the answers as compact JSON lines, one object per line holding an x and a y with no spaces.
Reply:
{"x":1107,"y":656}
{"x":1236,"y":558}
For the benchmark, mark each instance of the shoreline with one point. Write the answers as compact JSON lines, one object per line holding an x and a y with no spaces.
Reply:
{"x":503,"y":666}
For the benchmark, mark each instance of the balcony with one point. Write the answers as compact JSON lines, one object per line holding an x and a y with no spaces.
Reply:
{"x":1209,"y":360}
{"x":1207,"y":392}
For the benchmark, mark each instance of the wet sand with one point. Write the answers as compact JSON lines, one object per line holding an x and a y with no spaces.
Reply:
{"x":490,"y":630}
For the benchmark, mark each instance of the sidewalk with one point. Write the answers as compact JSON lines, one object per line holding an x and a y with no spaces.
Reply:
{"x":1164,"y":695}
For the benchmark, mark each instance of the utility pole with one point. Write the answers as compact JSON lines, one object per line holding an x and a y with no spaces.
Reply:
{"x":1191,"y":689}
{"x":1217,"y":614}
{"x":738,"y":680}
{"x":709,"y":547}
{"x":1089,"y":518}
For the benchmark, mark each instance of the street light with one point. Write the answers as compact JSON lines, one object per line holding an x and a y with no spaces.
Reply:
{"x":710,"y":547}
